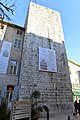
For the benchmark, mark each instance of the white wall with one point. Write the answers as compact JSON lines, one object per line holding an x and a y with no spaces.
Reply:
{"x":74,"y":68}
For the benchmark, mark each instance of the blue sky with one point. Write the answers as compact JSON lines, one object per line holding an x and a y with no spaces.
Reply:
{"x":70,"y":16}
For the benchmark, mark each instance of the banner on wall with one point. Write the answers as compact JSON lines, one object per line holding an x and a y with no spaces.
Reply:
{"x":4,"y":56}
{"x":47,"y":60}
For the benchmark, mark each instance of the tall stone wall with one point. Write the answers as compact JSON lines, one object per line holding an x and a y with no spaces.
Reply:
{"x":44,"y":29}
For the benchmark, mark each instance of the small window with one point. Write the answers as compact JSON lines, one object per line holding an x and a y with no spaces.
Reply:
{"x":78,"y":72}
{"x":17,"y":43}
{"x":19,"y":32}
{"x":13,"y":67}
{"x":69,"y":70}
{"x":2,"y":26}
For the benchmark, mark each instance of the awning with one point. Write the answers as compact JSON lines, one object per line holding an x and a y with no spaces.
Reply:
{"x":76,"y":92}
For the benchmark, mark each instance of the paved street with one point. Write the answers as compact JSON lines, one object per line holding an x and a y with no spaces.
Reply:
{"x":62,"y":118}
{"x":76,"y":118}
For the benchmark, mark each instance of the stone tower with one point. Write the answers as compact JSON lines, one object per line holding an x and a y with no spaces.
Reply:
{"x":44,"y":61}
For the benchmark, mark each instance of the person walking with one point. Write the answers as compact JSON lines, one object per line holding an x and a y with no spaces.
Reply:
{"x":79,"y":107}
{"x":76,"y":107}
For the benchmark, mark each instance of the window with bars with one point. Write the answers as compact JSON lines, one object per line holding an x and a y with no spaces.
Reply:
{"x":13,"y":67}
{"x":17,"y":43}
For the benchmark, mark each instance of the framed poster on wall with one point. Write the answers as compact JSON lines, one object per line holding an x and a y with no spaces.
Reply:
{"x":47,"y":60}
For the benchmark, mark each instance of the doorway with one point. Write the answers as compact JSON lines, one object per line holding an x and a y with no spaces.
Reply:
{"x":9,"y":96}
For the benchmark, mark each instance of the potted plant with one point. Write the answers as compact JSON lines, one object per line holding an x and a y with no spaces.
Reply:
{"x":35,"y":108}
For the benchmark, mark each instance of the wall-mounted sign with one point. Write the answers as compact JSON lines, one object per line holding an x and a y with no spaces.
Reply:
{"x":47,"y":60}
{"x":4,"y":56}
{"x":21,"y":110}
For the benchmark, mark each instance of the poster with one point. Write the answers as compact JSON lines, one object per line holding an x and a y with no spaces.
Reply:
{"x":4,"y":56}
{"x":47,"y":60}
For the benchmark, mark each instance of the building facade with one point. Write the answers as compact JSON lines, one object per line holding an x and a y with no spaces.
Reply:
{"x":44,"y":65}
{"x":11,"y":40}
{"x":34,"y":58}
{"x":74,"y":70}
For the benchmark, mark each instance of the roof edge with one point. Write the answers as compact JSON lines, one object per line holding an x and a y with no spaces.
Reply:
{"x":73,"y":62}
{"x":11,"y":25}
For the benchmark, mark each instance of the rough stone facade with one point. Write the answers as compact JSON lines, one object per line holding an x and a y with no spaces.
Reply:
{"x":44,"y":29}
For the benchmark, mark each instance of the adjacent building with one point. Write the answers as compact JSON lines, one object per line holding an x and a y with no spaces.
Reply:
{"x":74,"y":70}
{"x":11,"y":40}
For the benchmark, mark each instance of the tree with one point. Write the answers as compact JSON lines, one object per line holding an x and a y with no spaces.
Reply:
{"x":35,"y":108}
{"x":6,"y":8}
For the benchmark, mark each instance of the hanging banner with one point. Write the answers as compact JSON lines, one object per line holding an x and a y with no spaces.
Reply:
{"x":47,"y":60}
{"x":4,"y":56}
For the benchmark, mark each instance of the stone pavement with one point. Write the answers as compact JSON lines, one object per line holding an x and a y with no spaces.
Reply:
{"x":76,"y":117}
{"x":63,"y":118}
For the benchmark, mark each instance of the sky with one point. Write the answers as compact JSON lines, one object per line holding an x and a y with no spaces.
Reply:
{"x":70,"y":17}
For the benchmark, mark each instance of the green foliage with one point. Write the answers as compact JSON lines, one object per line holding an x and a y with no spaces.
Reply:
{"x":35,"y":109}
{"x":34,"y":112}
{"x":35,"y":94}
{"x":40,"y":109}
{"x":3,"y":112}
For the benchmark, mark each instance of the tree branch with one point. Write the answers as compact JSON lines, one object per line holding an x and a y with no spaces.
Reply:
{"x":5,"y":9}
